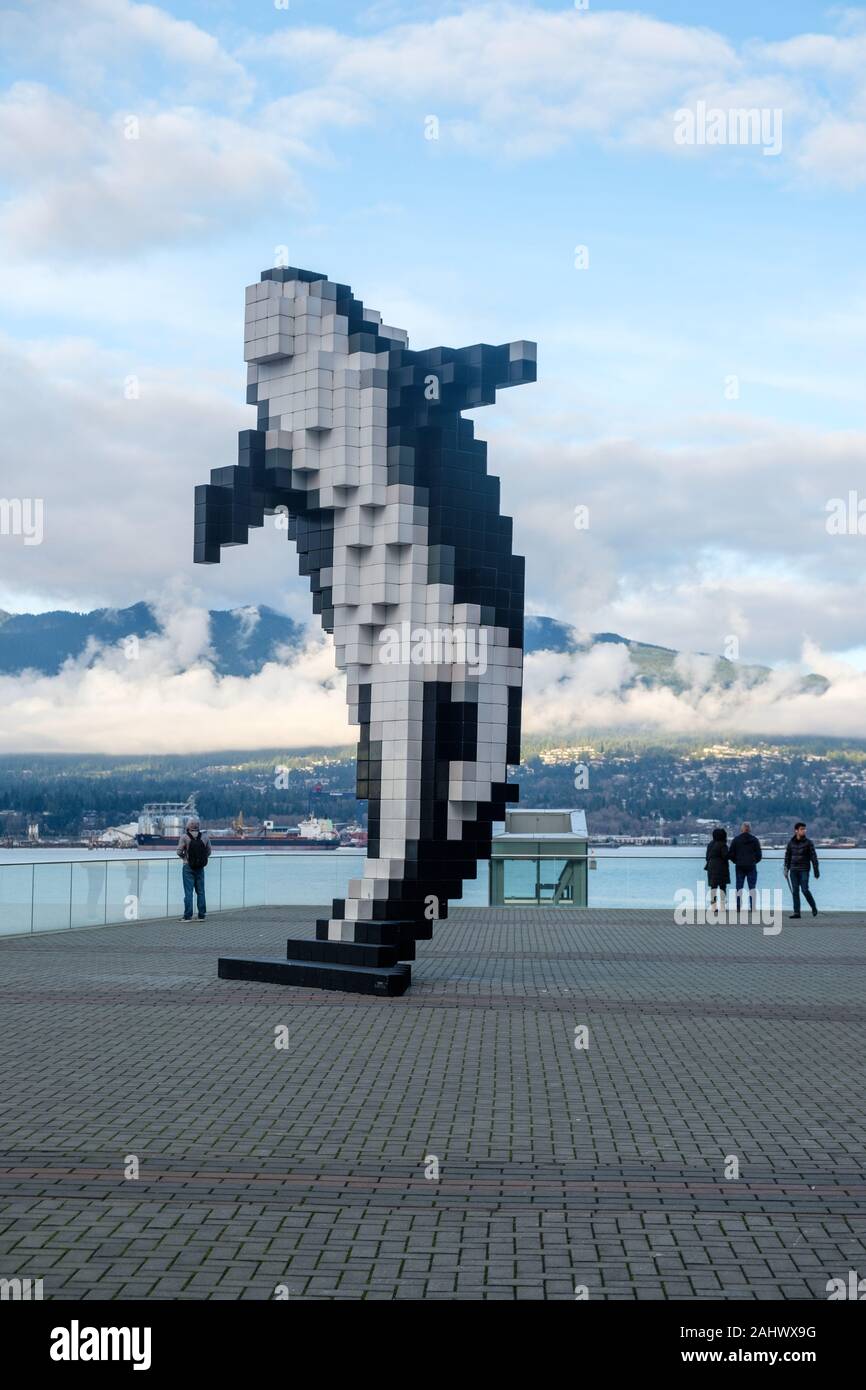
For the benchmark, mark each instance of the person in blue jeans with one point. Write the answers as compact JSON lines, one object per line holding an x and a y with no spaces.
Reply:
{"x":194,"y":849}
{"x":745,"y":854}
{"x":800,"y":857}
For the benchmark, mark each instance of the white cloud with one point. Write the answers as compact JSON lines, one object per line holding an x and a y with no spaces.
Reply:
{"x":505,"y":80}
{"x":516,"y":78}
{"x":688,"y":545}
{"x":247,"y":619}
{"x":116,"y":475}
{"x":109,"y":43}
{"x":834,"y":153}
{"x":570,"y":694}
{"x":844,"y":56}
{"x":168,"y":699}
{"x":91,"y":191}
{"x":519,"y":81}
{"x":685,"y":545}
{"x":43,"y":132}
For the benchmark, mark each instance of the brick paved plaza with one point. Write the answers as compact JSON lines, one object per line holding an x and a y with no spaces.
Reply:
{"x":305,"y":1167}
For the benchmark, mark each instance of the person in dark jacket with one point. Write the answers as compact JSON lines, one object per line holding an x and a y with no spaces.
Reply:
{"x":194,"y":848}
{"x":800,"y":857}
{"x":746,"y":854}
{"x":716,"y":867}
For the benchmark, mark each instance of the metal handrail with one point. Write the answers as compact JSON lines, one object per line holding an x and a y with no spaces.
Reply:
{"x":137,"y":856}
{"x":769,"y":854}
{"x":94,"y":858}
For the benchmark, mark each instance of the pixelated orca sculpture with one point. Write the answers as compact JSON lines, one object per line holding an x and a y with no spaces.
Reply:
{"x":362,"y":453}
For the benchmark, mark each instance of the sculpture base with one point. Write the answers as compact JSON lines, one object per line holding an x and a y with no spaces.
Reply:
{"x":354,"y":967}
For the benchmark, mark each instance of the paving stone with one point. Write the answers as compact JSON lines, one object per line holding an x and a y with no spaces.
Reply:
{"x":602,"y":1167}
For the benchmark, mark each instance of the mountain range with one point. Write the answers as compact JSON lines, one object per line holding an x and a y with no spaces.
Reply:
{"x":242,"y":641}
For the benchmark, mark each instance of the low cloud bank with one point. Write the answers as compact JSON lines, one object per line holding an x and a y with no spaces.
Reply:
{"x":162,"y":695}
{"x":570,"y":691}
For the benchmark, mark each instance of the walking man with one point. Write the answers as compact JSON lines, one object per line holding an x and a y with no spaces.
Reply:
{"x":800,"y":857}
{"x":194,"y":847}
{"x":745,"y":854}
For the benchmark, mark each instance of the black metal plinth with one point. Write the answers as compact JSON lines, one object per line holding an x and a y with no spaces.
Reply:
{"x":373,"y":964}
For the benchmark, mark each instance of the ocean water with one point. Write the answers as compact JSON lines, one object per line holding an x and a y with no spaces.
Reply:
{"x":58,"y":888}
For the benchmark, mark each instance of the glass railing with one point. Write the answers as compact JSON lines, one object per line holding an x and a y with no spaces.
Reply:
{"x":50,"y":895}
{"x":654,"y":878}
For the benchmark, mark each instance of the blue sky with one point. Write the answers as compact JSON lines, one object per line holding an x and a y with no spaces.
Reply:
{"x":261,"y":127}
{"x":700,"y":267}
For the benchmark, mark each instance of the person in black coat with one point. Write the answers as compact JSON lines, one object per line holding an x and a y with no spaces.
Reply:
{"x":716,"y":867}
{"x":800,"y":857}
{"x":745,"y":855}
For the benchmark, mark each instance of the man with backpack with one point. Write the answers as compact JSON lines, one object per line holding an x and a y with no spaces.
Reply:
{"x":194,"y":849}
{"x":800,"y":857}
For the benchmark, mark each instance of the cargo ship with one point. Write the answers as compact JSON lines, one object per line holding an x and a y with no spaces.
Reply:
{"x":161,"y":824}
